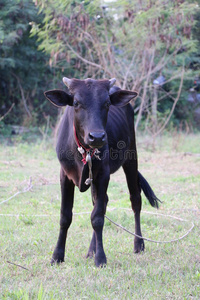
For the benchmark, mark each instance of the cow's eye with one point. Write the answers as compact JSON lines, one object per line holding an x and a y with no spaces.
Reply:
{"x":76,"y":103}
{"x":107,"y":104}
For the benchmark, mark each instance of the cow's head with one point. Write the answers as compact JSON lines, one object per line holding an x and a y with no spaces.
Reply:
{"x":91,"y":100}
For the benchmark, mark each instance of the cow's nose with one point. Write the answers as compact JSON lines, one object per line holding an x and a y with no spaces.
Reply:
{"x":97,"y":138}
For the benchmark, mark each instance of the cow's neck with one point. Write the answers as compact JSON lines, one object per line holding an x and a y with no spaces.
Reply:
{"x":78,"y":137}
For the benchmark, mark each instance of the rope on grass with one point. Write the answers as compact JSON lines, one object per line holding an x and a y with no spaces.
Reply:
{"x":150,"y":240}
{"x":40,"y":216}
{"x":29,"y":187}
{"x":122,"y":227}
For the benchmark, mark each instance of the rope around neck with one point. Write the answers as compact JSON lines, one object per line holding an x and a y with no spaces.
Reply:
{"x":89,"y":161}
{"x":85,"y":151}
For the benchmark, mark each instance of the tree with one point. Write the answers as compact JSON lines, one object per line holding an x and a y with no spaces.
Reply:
{"x":134,"y":41}
{"x":23,"y":69}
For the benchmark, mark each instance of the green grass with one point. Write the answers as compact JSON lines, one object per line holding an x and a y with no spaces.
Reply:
{"x":29,"y":225}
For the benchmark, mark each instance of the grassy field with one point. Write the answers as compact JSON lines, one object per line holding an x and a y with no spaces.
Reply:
{"x":29,"y":224}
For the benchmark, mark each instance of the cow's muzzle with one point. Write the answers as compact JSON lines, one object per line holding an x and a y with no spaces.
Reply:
{"x":97,"y":139}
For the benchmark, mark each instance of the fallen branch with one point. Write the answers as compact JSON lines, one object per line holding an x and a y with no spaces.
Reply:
{"x":25,"y":190}
{"x":17,"y":265}
{"x":11,"y":163}
{"x":190,"y":153}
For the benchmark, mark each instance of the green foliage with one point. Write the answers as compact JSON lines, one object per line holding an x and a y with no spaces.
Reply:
{"x":72,"y":27}
{"x":24,"y":71}
{"x":133,"y":41}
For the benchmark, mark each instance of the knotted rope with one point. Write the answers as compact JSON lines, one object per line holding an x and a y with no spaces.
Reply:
{"x":87,"y":154}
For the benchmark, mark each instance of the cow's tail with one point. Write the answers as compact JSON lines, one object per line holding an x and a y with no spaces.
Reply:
{"x":149,"y":193}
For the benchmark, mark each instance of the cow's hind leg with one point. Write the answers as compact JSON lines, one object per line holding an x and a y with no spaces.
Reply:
{"x":67,"y":194}
{"x":130,"y":169}
{"x":92,"y":248}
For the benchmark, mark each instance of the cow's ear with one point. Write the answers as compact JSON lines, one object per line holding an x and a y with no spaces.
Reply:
{"x":122,"y":97}
{"x":59,"y":98}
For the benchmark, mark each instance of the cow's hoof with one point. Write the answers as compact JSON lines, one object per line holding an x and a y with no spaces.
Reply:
{"x":56,"y":261}
{"x":57,"y":258}
{"x":90,"y":254}
{"x":100,"y":261}
{"x":139,"y":245}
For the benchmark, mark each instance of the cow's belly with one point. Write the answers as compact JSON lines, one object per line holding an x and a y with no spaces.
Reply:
{"x":119,"y":155}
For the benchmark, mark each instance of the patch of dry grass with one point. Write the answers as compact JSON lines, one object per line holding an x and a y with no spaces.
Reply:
{"x":163,"y":271}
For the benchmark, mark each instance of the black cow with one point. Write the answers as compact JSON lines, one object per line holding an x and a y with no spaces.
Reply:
{"x":98,"y":116}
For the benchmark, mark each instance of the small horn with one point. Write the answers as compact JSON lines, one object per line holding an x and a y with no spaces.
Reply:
{"x":112,"y":82}
{"x":67,"y":81}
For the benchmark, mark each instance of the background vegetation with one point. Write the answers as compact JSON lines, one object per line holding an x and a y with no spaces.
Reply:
{"x":134,"y":41}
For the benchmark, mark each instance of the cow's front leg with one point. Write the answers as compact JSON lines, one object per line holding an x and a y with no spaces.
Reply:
{"x":92,"y":248}
{"x":97,"y":217}
{"x":67,"y":194}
